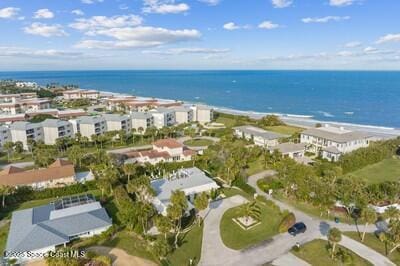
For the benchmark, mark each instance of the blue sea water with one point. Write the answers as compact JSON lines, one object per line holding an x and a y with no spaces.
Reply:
{"x":362,"y":97}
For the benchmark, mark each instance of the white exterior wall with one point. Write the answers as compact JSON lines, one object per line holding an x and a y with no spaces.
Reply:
{"x":32,"y":132}
{"x":51,"y":134}
{"x":118,"y":125}
{"x":316,"y":144}
{"x":143,"y":123}
{"x":163,"y":119}
{"x":183,"y":117}
{"x":5,"y":136}
{"x":87,"y":130}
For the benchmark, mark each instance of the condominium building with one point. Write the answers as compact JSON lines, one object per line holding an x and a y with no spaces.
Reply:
{"x":81,"y":94}
{"x":331,"y":142}
{"x":24,"y":131}
{"x":5,"y":136}
{"x":163,"y":117}
{"x":89,"y":125}
{"x":183,"y":114}
{"x":118,"y":122}
{"x":259,"y":136}
{"x":141,"y":121}
{"x":54,"y":129}
{"x":202,"y":114}
{"x":19,"y":105}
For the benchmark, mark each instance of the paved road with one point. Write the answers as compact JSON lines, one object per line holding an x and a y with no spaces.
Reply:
{"x":289,"y":260}
{"x":20,"y":165}
{"x":128,"y":149}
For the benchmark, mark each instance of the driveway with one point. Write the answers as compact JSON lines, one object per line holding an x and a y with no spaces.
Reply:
{"x":120,"y":258}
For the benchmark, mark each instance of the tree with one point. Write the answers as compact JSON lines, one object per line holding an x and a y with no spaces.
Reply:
{"x":75,"y":154}
{"x":200,"y":203}
{"x":161,"y":248}
{"x":175,"y":211}
{"x":334,"y":237}
{"x":392,"y":213}
{"x":163,"y":225}
{"x":18,"y":147}
{"x":141,"y":187}
{"x":8,"y":146}
{"x":129,"y":170}
{"x":251,"y":209}
{"x":369,"y":216}
{"x":5,"y":191}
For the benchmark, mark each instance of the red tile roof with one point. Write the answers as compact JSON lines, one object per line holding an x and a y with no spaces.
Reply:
{"x":169,"y":143}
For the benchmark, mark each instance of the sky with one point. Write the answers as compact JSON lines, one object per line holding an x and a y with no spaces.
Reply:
{"x":199,"y":34}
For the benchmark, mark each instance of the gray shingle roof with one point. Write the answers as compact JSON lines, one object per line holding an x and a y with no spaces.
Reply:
{"x":140,"y":115}
{"x":23,"y":125}
{"x":115,"y":117}
{"x":335,"y":135}
{"x":259,"y":132}
{"x":54,"y":123}
{"x":90,"y":119}
{"x":33,"y":229}
{"x":289,"y":147}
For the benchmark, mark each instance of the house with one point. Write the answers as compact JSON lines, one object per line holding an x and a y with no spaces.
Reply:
{"x":118,"y":122}
{"x":202,"y":114}
{"x":54,"y":129}
{"x":259,"y":136}
{"x":59,"y":173}
{"x":44,"y":228}
{"x":291,"y":150}
{"x":5,"y":136}
{"x":191,"y":181}
{"x":164,"y":150}
{"x":163,"y":117}
{"x":80,"y":94}
{"x":141,"y":121}
{"x":89,"y":125}
{"x":183,"y":114}
{"x":331,"y":142}
{"x":24,"y":131}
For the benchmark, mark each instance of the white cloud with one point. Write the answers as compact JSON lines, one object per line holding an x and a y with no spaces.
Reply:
{"x":268,"y":25}
{"x":281,"y":3}
{"x":353,"y":44}
{"x":324,"y":19}
{"x":45,"y":30}
{"x":43,"y":13}
{"x":233,"y":26}
{"x":27,"y":52}
{"x":389,"y":38}
{"x":179,"y":51}
{"x":101,"y":22}
{"x":370,"y":49}
{"x":164,"y":7}
{"x":89,"y":2}
{"x":211,"y":2}
{"x":139,"y":37}
{"x":341,"y":3}
{"x":9,"y":12}
{"x":77,"y":12}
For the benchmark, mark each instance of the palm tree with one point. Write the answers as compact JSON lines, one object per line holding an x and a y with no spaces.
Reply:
{"x":334,"y":237}
{"x":5,"y":191}
{"x":200,"y":203}
{"x":252,"y":210}
{"x":369,"y":216}
{"x":8,"y":146}
{"x":129,"y":170}
{"x":392,"y":213}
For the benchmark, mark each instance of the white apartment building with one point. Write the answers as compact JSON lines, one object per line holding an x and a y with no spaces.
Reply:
{"x":163,"y":117}
{"x":81,"y":94}
{"x":183,"y":114}
{"x":89,"y":125}
{"x":259,"y":136}
{"x":23,"y":131}
{"x":118,"y":122}
{"x":332,"y":142}
{"x":141,"y":121}
{"x":54,"y":129}
{"x":5,"y":136}
{"x":202,"y":114}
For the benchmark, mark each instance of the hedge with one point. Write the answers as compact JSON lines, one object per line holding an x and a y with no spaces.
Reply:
{"x":288,"y":221}
{"x":241,"y":183}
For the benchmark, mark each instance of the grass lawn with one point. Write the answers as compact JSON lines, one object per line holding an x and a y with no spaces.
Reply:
{"x":227,"y":121}
{"x":229,"y":192}
{"x":256,"y":166}
{"x":386,"y":170}
{"x":198,"y":142}
{"x":132,"y":244}
{"x":373,"y":242}
{"x":316,"y":253}
{"x":235,"y":237}
{"x":3,"y":236}
{"x":189,"y":249}
{"x":23,"y":157}
{"x":286,"y":130}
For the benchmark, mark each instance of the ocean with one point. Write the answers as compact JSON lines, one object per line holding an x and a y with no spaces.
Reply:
{"x":360,"y":97}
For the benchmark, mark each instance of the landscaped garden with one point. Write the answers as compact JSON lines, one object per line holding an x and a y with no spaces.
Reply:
{"x":317,"y":252}
{"x":198,"y":142}
{"x":372,"y":241}
{"x":386,"y":170}
{"x":3,"y":236}
{"x":261,"y":225}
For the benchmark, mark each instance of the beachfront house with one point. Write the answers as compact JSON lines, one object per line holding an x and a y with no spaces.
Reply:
{"x":89,"y":125}
{"x":202,"y":114}
{"x":80,"y":94}
{"x":191,"y":181}
{"x":58,"y":174}
{"x":44,"y":228}
{"x":291,"y":150}
{"x":116,"y":122}
{"x":24,"y":131}
{"x":141,"y":121}
{"x":54,"y":129}
{"x":163,"y":117}
{"x":183,"y":114}
{"x":259,"y":136}
{"x":331,"y":142}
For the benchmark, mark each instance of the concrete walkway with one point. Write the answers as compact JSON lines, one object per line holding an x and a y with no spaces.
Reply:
{"x":289,"y":259}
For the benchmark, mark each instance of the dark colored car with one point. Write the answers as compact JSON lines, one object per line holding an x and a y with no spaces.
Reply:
{"x":297,"y":228}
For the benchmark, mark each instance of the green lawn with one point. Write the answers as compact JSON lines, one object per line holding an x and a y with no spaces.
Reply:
{"x":386,"y":170}
{"x":286,"y":130}
{"x":198,"y":142}
{"x":190,"y":248}
{"x":235,"y":237}
{"x":373,"y":242}
{"x":256,"y":166}
{"x":316,"y":253}
{"x":132,"y":244}
{"x":229,"y":192}
{"x":3,"y":237}
{"x":227,"y":121}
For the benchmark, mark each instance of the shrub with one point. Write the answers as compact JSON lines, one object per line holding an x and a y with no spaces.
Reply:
{"x":240,"y":183}
{"x":287,"y":222}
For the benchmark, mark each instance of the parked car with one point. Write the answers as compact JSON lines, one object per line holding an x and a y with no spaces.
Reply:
{"x":297,"y":228}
